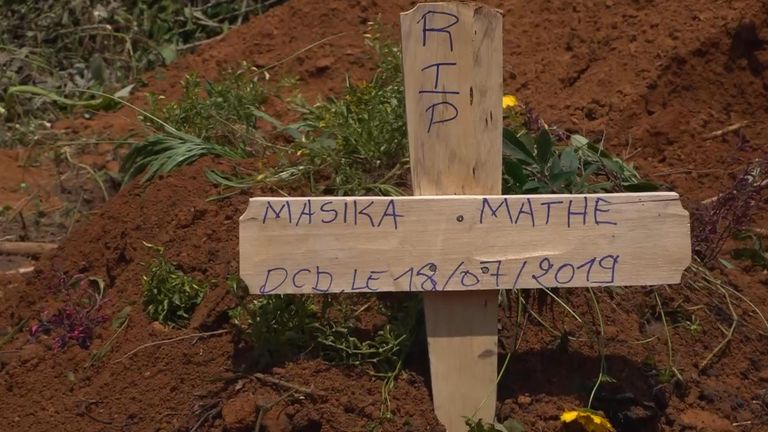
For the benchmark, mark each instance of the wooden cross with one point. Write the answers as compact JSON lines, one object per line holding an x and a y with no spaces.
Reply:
{"x":458,"y":242}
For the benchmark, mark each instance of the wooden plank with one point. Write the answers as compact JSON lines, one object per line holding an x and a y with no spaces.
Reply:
{"x":460,"y":43}
{"x":460,"y":243}
{"x":26,"y":248}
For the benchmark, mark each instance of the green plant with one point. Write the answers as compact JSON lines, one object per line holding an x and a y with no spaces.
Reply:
{"x":13,"y":332}
{"x":278,"y":327}
{"x":510,"y":425}
{"x":359,"y":140}
{"x":161,"y":153}
{"x":217,"y":120}
{"x":383,"y":353}
{"x":670,"y":372}
{"x":755,"y":253}
{"x":169,"y":295}
{"x":223,"y":112}
{"x":539,"y":159}
{"x":119,"y":322}
{"x":58,"y":46}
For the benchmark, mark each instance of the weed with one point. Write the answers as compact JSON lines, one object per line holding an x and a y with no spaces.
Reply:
{"x":359,"y":140}
{"x":169,"y":295}
{"x":119,"y":322}
{"x":12,"y":334}
{"x":74,"y":321}
{"x":355,"y":144}
{"x":539,"y":159}
{"x":670,"y":373}
{"x":220,"y":113}
{"x":383,"y":354}
{"x":755,"y":252}
{"x":57,"y":46}
{"x":278,"y":327}
{"x":217,"y":120}
{"x":510,"y":425}
{"x":161,"y":153}
{"x":729,"y":213}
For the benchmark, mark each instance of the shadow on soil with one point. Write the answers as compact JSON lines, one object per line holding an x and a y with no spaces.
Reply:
{"x":630,"y":397}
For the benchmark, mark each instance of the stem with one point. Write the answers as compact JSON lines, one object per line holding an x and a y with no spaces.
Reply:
{"x":728,"y":335}
{"x":217,"y":332}
{"x":670,"y":361}
{"x":600,"y":348}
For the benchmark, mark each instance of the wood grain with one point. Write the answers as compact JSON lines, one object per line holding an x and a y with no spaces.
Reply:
{"x":462,"y":243}
{"x":450,"y":158}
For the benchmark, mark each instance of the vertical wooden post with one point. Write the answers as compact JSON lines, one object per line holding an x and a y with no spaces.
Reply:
{"x":452,"y":60}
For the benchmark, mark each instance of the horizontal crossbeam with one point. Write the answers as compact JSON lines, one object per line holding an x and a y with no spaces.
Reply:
{"x":449,"y":243}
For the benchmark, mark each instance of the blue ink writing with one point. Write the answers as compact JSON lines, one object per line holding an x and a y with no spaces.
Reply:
{"x":293,"y":279}
{"x":324,"y":209}
{"x":549,"y":207}
{"x":437,"y":73}
{"x":426,"y":29}
{"x":571,"y":212}
{"x":276,"y":213}
{"x":265,"y":288}
{"x":496,"y":273}
{"x":306,"y":210}
{"x":431,"y":110}
{"x":529,"y":212}
{"x":374,"y":213}
{"x":329,"y":278}
{"x":390,"y":211}
{"x":599,"y":210}
{"x":487,"y":204}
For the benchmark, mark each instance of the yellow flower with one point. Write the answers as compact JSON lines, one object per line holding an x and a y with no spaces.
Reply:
{"x":508,"y":101}
{"x":589,"y":420}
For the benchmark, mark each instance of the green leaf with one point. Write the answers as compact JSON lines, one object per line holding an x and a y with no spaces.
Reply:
{"x":578,"y":141}
{"x":120,"y":318}
{"x":514,"y":147}
{"x":563,"y":177}
{"x":532,"y":186}
{"x":727,"y":264}
{"x":751,"y":254}
{"x":568,"y":160}
{"x":124,"y":92}
{"x":169,"y":53}
{"x":544,"y":147}
{"x":512,"y":425}
{"x":515,"y":171}
{"x":554,"y":166}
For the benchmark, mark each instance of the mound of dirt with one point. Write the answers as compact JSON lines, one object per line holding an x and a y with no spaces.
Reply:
{"x":656,"y":77}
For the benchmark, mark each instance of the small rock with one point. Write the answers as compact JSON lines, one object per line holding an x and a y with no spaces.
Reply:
{"x":158,"y":328}
{"x":707,"y":396}
{"x":240,"y":412}
{"x":323,"y":64}
{"x":524,"y":400}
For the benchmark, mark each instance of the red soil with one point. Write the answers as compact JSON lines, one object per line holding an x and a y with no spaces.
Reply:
{"x":655,"y":76}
